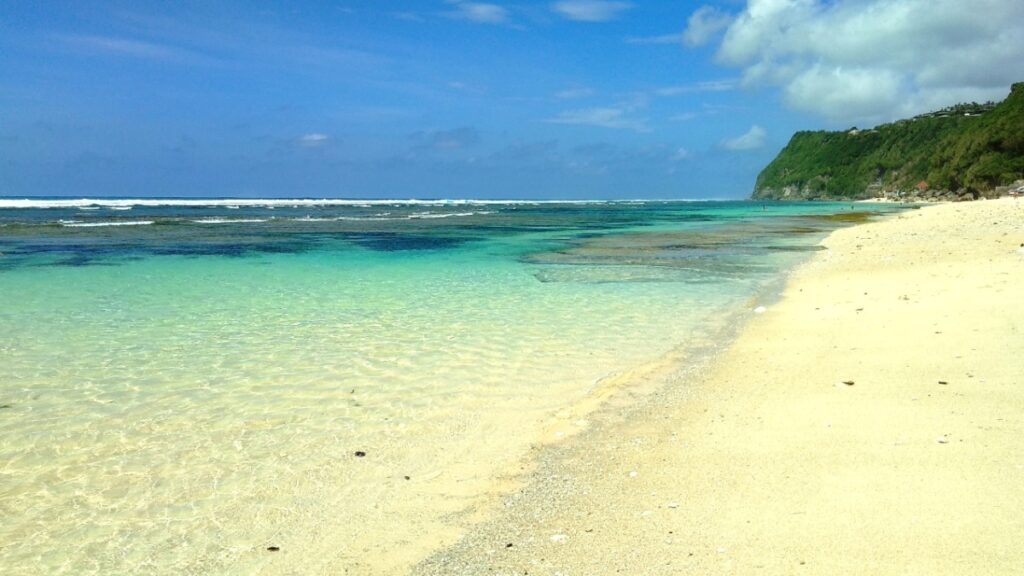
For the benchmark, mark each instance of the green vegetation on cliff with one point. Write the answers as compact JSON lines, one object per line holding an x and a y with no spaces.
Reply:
{"x":967,"y":149}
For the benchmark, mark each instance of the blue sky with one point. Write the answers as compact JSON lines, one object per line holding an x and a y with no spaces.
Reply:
{"x":451,"y":98}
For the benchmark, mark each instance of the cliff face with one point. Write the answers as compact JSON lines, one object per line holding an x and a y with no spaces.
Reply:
{"x":963,"y":152}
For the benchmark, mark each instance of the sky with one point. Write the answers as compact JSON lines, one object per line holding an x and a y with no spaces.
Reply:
{"x":560,"y":99}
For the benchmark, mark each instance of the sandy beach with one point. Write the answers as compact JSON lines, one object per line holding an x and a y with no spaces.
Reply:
{"x":868,"y":422}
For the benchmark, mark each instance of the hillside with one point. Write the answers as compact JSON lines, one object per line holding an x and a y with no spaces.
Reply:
{"x":962,"y":152}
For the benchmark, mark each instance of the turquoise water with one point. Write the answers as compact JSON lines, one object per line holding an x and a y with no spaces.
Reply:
{"x":185,"y":385}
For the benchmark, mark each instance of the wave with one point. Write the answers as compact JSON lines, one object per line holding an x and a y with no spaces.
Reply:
{"x":430,"y":215}
{"x":385,"y":217}
{"x":230,"y":220}
{"x":93,"y":203}
{"x":312,"y":219}
{"x":73,"y":224}
{"x":346,"y":219}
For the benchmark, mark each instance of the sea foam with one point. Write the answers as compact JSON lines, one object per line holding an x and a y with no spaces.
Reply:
{"x":229,"y":220}
{"x":103,"y":224}
{"x":87,"y":203}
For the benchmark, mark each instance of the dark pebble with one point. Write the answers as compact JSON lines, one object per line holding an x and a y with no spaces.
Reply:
{"x":360,"y":453}
{"x":272,"y":548}
{"x":509,"y":545}
{"x":848,"y":382}
{"x":407,"y":477}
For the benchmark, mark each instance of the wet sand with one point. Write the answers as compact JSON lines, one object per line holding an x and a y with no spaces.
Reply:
{"x":869,"y":422}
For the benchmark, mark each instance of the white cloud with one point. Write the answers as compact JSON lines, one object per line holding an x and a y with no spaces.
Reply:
{"x":314,"y":140}
{"x":601,"y":117}
{"x":704,"y":24}
{"x":751,"y":140}
{"x":876,"y":60}
{"x":663,"y":39}
{"x":482,"y":12}
{"x":590,"y":10}
{"x":853,"y":93}
{"x":708,"y":86}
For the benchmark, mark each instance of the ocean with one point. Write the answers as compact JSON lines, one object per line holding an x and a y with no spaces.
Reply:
{"x":296,"y":386}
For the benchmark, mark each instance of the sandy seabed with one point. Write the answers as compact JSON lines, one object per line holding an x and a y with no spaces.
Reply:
{"x":869,"y":422}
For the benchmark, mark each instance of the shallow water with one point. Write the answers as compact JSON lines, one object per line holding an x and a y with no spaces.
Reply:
{"x":183,"y":386}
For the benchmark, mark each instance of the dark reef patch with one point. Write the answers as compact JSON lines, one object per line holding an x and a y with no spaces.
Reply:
{"x":393,"y":242}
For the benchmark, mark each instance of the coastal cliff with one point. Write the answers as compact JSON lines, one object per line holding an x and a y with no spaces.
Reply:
{"x":963,"y":152}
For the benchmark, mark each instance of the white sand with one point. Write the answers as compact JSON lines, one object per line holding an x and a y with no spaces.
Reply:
{"x":772,"y":465}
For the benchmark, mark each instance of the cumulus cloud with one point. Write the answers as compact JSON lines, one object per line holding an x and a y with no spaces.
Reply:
{"x":602,"y":117}
{"x":751,"y":140}
{"x":704,"y":24}
{"x":314,"y":140}
{"x":876,"y":60}
{"x":590,"y":10}
{"x":481,"y":12}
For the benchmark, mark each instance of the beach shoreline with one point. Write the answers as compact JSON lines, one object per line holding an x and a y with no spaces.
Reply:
{"x":866,"y":423}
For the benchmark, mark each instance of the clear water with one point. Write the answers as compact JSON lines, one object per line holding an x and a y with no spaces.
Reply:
{"x":184,"y":386}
